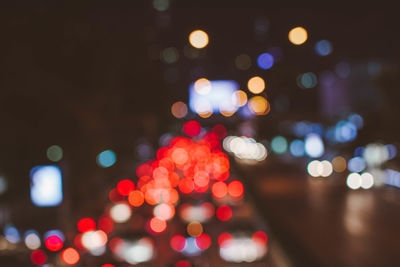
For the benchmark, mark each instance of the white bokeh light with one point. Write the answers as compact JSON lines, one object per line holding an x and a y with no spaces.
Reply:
{"x":120,"y":213}
{"x":354,"y":181}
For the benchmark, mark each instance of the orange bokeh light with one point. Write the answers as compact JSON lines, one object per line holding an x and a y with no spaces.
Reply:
{"x":136,"y":198}
{"x":235,"y":189}
{"x":158,"y":225}
{"x":180,"y":156}
{"x":70,"y":256}
{"x":219,"y":189}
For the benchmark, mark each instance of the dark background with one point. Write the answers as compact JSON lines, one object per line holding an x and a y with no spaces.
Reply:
{"x":87,"y":79}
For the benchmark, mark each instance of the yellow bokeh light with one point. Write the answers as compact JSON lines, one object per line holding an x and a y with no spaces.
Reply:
{"x":194,"y":229}
{"x":226,"y":113}
{"x":198,"y":39}
{"x":205,"y":115}
{"x":339,"y":164}
{"x":259,"y":105}
{"x":256,"y":85}
{"x":239,"y":98}
{"x":202,"y":86}
{"x":298,"y":35}
{"x":179,"y":109}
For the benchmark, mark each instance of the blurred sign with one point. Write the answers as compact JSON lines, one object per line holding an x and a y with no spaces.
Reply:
{"x":212,"y":96}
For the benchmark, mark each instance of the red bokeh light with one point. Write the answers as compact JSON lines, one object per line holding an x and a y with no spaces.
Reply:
{"x":107,"y":265}
{"x":260,"y":237}
{"x":201,"y":178}
{"x":235,"y":189}
{"x":86,"y":224}
{"x":212,"y":140}
{"x":174,"y":179}
{"x":203,"y":241}
{"x":115,"y":243}
{"x":70,"y":256}
{"x":144,"y":170}
{"x":223,"y":238}
{"x":183,"y":263}
{"x":106,"y":224}
{"x":124,"y":187}
{"x":38,"y":257}
{"x":219,"y":189}
{"x":143,"y":180}
{"x":186,"y":186}
{"x":78,"y":241}
{"x":192,"y":128}
{"x":220,"y":130}
{"x":161,"y":152}
{"x":53,"y":243}
{"x":224,"y":213}
{"x":178,"y":242}
{"x":167,"y":162}
{"x":160,"y":173}
{"x":201,"y":189}
{"x":114,"y":196}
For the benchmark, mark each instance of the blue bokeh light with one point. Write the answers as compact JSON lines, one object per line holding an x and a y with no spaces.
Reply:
{"x":191,"y":247}
{"x":106,"y":158}
{"x":300,"y":129}
{"x":323,"y":48}
{"x":265,"y":61}
{"x":12,"y":234}
{"x":345,"y":131}
{"x":359,"y":151}
{"x":356,"y":164}
{"x":297,"y":148}
{"x":356,"y":119}
{"x":392,"y":150}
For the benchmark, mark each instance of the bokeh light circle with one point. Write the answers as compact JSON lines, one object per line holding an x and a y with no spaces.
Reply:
{"x":179,"y":109}
{"x":106,"y":158}
{"x":70,"y":256}
{"x":258,"y":105}
{"x":298,"y":36}
{"x":256,"y":85}
{"x":265,"y":61}
{"x":198,"y":39}
{"x":158,"y":225}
